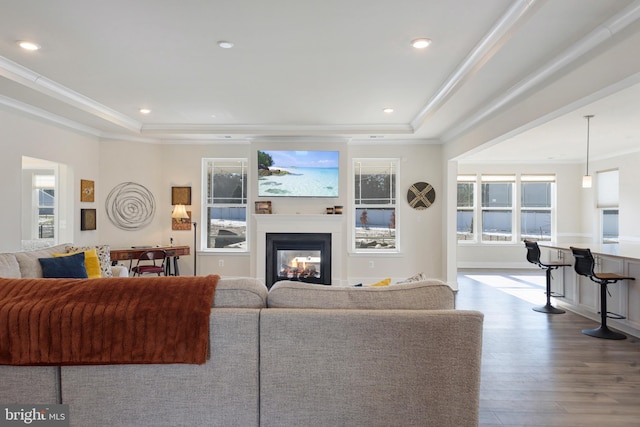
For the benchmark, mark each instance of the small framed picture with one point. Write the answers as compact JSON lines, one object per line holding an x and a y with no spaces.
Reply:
{"x":87,"y":219}
{"x":263,"y":207}
{"x":180,"y":196}
{"x":87,"y":190}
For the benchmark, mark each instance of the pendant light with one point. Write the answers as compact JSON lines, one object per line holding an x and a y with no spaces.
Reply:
{"x":586,"y":179}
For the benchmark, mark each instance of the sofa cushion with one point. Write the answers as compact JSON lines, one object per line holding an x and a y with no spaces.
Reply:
{"x":28,"y":260}
{"x":104,"y":255}
{"x":241,"y":292}
{"x":225,"y":391}
{"x":425,"y":295}
{"x":383,"y":282}
{"x":91,"y":262}
{"x":71,"y":266}
{"x":9,"y":266}
{"x":369,"y":367}
{"x":29,"y":384}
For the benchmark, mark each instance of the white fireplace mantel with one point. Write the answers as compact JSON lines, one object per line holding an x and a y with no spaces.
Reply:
{"x":300,"y":223}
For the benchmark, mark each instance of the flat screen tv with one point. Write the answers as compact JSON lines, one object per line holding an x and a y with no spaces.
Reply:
{"x":289,"y":173}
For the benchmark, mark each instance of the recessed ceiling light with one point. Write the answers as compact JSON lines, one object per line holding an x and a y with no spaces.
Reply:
{"x":420,"y":43}
{"x":145,"y":111}
{"x":388,"y":110}
{"x":225,"y":45}
{"x":27,"y":45}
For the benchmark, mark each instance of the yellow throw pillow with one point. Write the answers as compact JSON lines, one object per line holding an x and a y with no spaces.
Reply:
{"x":91,"y":263}
{"x":383,"y":282}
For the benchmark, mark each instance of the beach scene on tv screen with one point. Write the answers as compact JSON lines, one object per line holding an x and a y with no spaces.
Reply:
{"x":283,"y":173}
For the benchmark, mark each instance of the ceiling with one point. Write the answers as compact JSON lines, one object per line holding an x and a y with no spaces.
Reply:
{"x":313,"y":69}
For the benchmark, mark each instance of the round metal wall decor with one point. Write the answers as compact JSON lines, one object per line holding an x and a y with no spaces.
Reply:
{"x":130,"y":206}
{"x":421,"y":195}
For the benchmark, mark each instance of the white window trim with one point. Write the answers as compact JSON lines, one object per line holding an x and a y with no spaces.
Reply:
{"x":516,"y":208}
{"x":472,"y":179}
{"x":202,"y":237}
{"x":354,"y":206}
{"x":526,"y":178}
{"x":499,"y":179}
{"x":36,"y":204}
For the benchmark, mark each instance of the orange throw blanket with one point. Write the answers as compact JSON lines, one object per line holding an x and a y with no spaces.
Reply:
{"x":105,"y":321}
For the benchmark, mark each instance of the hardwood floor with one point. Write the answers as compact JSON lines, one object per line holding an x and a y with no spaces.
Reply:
{"x":539,"y":369}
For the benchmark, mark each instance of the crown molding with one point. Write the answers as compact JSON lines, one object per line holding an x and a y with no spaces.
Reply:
{"x":474,"y":61}
{"x":394,"y":141}
{"x":47,"y":116}
{"x":595,"y":38}
{"x":275,"y":130}
{"x":26,"y":77}
{"x":302,"y":139}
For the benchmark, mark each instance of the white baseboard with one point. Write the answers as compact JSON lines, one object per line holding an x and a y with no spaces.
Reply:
{"x":496,"y":265}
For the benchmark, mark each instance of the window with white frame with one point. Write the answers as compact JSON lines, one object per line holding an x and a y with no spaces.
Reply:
{"x":607,"y":187}
{"x":536,"y":197}
{"x":225,"y":204}
{"x":375,"y":205}
{"x":497,"y":207}
{"x":508,"y":208}
{"x":466,"y":207}
{"x":45,"y":205}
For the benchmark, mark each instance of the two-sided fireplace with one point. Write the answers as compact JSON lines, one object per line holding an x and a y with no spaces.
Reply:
{"x":304,"y":257}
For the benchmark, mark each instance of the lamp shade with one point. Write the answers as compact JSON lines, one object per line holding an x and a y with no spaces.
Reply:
{"x":179,"y":212}
{"x":586,"y":181}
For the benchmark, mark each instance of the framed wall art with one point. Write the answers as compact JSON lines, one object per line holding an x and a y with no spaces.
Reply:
{"x":87,"y":219}
{"x":180,"y":196}
{"x":130,"y":206}
{"x":87,"y":190}
{"x":421,"y":195}
{"x":263,"y":207}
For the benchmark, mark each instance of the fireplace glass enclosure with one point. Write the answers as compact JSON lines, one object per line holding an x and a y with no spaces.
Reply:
{"x":304,"y":257}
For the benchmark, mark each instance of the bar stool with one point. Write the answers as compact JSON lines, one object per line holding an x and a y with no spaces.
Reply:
{"x":533,"y":256}
{"x":584,"y":266}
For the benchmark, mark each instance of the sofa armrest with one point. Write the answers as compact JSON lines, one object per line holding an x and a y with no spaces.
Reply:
{"x":370,"y":367}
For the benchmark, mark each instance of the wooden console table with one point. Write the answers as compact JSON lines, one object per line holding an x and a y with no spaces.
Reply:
{"x":173,"y":253}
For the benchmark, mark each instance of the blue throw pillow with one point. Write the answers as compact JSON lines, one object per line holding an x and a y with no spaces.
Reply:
{"x":71,"y":267}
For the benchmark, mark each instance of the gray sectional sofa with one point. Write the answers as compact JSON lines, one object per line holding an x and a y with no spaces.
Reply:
{"x":26,"y":265}
{"x":296,"y":355}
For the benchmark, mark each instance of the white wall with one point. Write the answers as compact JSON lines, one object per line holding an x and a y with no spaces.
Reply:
{"x":578,"y":218}
{"x":139,"y":163}
{"x":629,"y":197}
{"x":159,"y":167}
{"x":23,"y":136}
{"x":549,"y":99}
{"x":421,"y":230}
{"x":569,"y":227}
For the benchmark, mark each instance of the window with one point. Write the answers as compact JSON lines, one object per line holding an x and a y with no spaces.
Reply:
{"x":535,"y":207}
{"x":610,"y":226}
{"x":508,"y":208}
{"x":466,"y":207}
{"x":375,"y":198}
{"x":225,"y":201}
{"x":497,"y":208}
{"x":45,"y":205}
{"x":607,"y":201}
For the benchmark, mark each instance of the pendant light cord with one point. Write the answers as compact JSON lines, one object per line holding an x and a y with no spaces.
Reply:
{"x":588,"y":122}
